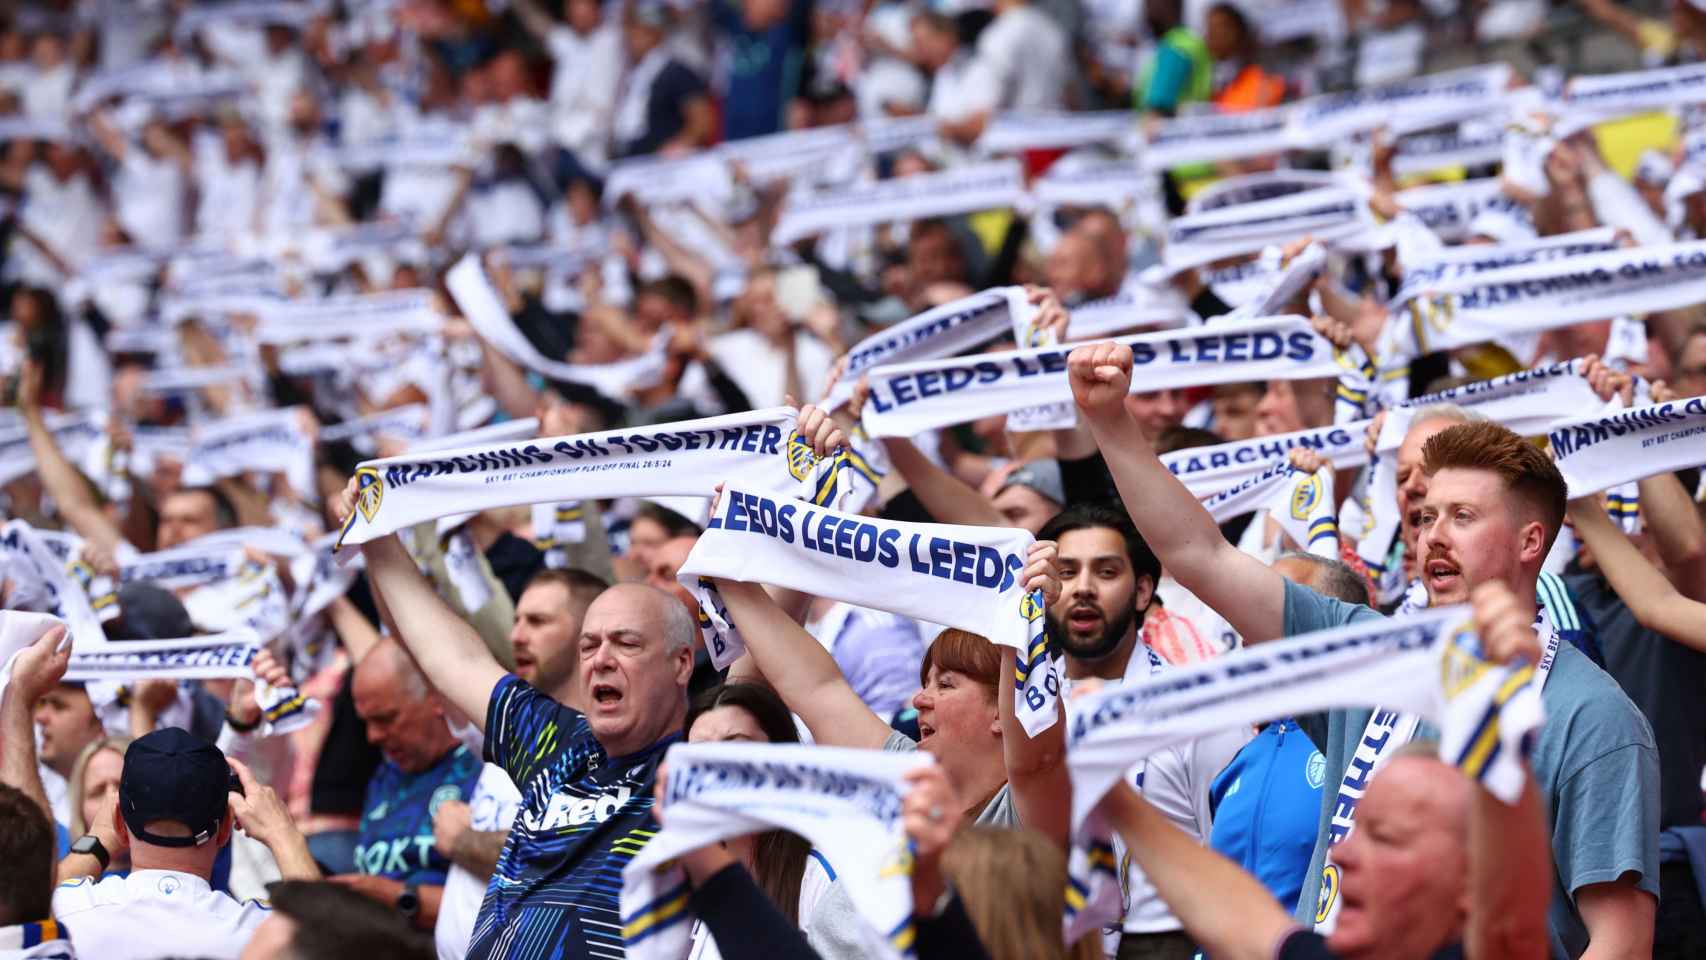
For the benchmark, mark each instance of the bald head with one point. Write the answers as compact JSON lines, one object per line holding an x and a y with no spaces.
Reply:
{"x":403,"y":717}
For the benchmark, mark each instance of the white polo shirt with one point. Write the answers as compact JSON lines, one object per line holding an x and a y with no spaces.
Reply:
{"x":152,"y":913}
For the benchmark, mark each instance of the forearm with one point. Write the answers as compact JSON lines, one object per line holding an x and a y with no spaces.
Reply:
{"x":448,"y":650}
{"x":355,"y":631}
{"x":1508,"y":847}
{"x":1036,"y":766}
{"x":506,"y":382}
{"x":18,"y":751}
{"x":294,"y":860}
{"x":800,"y":670}
{"x":477,"y":851}
{"x":1185,"y":537}
{"x":1229,"y":914}
{"x":1653,"y":599}
{"x":948,"y":498}
{"x":67,"y":485}
{"x":431,"y":897}
{"x":1675,"y":524}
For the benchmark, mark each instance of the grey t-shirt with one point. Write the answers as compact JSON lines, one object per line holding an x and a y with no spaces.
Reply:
{"x":998,"y":812}
{"x":1595,"y":764}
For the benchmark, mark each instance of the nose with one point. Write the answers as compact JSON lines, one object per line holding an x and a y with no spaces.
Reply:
{"x":922,"y":700}
{"x":1170,"y":403}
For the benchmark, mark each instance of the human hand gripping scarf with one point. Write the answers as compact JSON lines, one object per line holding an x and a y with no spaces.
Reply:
{"x":958,"y":576}
{"x":846,"y":802}
{"x":1429,"y":665}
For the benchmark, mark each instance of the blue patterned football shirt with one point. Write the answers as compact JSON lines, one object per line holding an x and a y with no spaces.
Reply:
{"x":396,"y":820}
{"x":558,"y":886}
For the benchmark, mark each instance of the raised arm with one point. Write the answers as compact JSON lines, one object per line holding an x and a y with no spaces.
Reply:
{"x":1036,"y":766}
{"x":1674,"y":523}
{"x":70,"y":489}
{"x":1173,"y":522}
{"x":1654,"y":600}
{"x":948,"y":498}
{"x":800,"y":670}
{"x":36,"y":671}
{"x":449,"y":651}
{"x":1227,"y":911}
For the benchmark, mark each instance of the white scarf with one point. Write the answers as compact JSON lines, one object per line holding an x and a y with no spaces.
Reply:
{"x":254,"y":599}
{"x":555,"y":526}
{"x":1277,"y":290}
{"x":1463,"y":145}
{"x":42,"y":579}
{"x":909,"y":398}
{"x":1635,"y":91}
{"x":1329,"y":214}
{"x":1256,"y":187}
{"x":473,"y":293}
{"x":439,"y":147}
{"x":1451,"y":263}
{"x":1107,"y":183}
{"x":1324,"y":119}
{"x":1210,"y":137}
{"x":339,"y":318}
{"x":1388,"y":730}
{"x":407,"y":422}
{"x":958,"y":576}
{"x":1138,"y":304}
{"x":1451,"y":210}
{"x":1210,"y":470}
{"x":269,"y":442}
{"x":652,"y":179}
{"x":1018,"y":130}
{"x":792,"y":154}
{"x":1530,"y":402}
{"x":183,"y":566}
{"x":1600,"y":452}
{"x":1302,"y":504}
{"x":904,"y":199}
{"x":73,"y":432}
{"x":1428,"y":665}
{"x":217,"y":656}
{"x":185,"y":379}
{"x":269,"y":540}
{"x":1541,"y":296}
{"x":944,"y":331}
{"x":846,"y":802}
{"x":760,"y":449}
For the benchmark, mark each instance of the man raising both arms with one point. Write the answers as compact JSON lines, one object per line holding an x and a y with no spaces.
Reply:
{"x":1494,"y":505}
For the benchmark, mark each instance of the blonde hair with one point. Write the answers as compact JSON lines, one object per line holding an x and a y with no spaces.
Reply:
{"x":1013,"y":885}
{"x":116,"y":744}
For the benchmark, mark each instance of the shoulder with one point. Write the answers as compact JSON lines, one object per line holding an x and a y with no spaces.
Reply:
{"x":1588,"y":719}
{"x":86,"y":893}
{"x":1307,"y":611}
{"x":678,"y":77}
{"x":898,"y":742}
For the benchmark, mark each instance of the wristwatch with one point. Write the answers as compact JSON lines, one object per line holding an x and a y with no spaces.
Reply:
{"x":90,"y":846}
{"x":409,"y":902}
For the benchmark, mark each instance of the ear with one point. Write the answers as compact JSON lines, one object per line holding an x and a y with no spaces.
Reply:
{"x":1145,"y":594}
{"x":1531,"y":543}
{"x":225,"y":826}
{"x":119,"y":827}
{"x":683,"y":666}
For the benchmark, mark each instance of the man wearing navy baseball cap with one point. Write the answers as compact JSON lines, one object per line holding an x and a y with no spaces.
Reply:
{"x":178,"y":800}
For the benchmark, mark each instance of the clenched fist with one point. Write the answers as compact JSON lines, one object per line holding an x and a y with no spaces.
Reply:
{"x":1101,"y":378}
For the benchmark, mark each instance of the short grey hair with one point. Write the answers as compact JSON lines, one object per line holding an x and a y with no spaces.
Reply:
{"x":1446,"y":411}
{"x":1333,"y":577}
{"x":678,"y":625}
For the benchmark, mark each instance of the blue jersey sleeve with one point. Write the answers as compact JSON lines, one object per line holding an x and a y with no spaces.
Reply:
{"x":526,"y":729}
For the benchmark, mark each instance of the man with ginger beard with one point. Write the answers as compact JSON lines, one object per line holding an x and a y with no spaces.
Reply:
{"x":1108,"y":577}
{"x":1493,"y":506}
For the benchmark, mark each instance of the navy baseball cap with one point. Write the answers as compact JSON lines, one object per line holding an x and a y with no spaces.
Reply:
{"x":171,"y":774}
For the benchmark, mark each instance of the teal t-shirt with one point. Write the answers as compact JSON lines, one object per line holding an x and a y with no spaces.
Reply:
{"x":1595,"y":762}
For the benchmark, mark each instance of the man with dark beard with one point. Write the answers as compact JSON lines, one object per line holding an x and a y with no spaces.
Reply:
{"x":1108,"y":577}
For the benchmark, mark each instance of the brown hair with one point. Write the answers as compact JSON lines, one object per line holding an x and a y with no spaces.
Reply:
{"x":1013,"y":885}
{"x":74,"y":783}
{"x":778,"y":856}
{"x":1526,"y":470}
{"x":964,"y":653}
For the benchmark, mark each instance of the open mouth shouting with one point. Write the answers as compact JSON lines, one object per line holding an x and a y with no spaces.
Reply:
{"x":606,"y":697}
{"x":1084,"y":618}
{"x":1443,"y":576}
